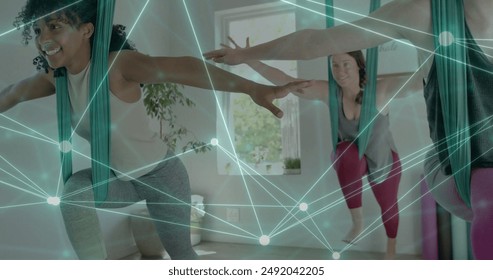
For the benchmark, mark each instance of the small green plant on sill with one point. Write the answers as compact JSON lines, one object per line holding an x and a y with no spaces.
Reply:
{"x":159,"y":100}
{"x":292,"y":163}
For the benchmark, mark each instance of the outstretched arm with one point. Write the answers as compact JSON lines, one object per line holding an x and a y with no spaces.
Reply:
{"x":36,"y":86}
{"x":317,"y":91}
{"x":385,"y":24}
{"x":139,"y":68}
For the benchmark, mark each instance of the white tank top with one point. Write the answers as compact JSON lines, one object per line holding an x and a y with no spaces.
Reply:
{"x":135,"y":148}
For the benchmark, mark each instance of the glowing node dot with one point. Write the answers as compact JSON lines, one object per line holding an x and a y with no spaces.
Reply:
{"x":65,"y":146}
{"x":264,"y":240}
{"x":336,"y":255}
{"x":303,"y":207}
{"x":53,"y":200}
{"x":214,"y":142}
{"x":446,"y":38}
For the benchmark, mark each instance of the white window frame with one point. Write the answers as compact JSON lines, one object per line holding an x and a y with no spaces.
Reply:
{"x":223,"y":20}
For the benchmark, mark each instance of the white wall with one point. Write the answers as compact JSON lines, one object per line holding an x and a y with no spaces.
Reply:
{"x":37,"y":232}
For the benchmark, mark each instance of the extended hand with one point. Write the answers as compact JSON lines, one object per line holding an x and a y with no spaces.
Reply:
{"x":227,"y":55}
{"x":265,"y":95}
{"x":247,"y":43}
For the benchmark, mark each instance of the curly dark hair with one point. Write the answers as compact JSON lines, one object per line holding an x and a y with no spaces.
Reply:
{"x":73,"y":12}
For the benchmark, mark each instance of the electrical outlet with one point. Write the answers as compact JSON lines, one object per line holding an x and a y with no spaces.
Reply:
{"x":233,"y":215}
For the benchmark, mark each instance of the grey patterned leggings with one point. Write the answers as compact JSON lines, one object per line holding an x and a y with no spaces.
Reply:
{"x":166,"y":191}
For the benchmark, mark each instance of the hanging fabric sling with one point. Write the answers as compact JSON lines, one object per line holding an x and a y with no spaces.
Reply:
{"x":368,"y":108}
{"x":98,"y":104}
{"x":450,"y":59}
{"x":333,"y":102}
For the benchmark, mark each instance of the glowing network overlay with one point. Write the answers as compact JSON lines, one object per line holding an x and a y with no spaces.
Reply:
{"x":299,"y":213}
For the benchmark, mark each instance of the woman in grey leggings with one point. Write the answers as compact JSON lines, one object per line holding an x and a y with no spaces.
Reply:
{"x":141,"y":166}
{"x":171,"y":213}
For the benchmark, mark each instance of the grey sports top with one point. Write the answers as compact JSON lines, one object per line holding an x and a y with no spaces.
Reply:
{"x":135,"y":148}
{"x":380,"y":146}
{"x":479,"y":103}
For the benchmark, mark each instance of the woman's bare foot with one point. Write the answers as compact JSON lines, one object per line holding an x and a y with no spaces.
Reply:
{"x":353,"y":234}
{"x":391,"y":249}
{"x":357,"y":218}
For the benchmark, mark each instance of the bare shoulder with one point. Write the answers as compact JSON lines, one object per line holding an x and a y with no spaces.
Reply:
{"x":125,"y":57}
{"x":119,"y":63}
{"x":137,"y":67}
{"x":125,"y":61}
{"x":411,"y":20}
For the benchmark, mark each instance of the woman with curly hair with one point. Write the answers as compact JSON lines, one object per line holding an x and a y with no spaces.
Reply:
{"x":141,"y":166}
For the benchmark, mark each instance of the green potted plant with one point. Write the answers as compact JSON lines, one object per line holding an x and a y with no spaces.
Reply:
{"x":159,"y":100}
{"x":292,"y":166}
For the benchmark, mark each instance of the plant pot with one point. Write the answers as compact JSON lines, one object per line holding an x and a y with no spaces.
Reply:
{"x":195,"y":234}
{"x":292,"y":171}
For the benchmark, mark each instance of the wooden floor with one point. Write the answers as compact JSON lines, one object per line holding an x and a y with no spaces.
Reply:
{"x":232,"y":251}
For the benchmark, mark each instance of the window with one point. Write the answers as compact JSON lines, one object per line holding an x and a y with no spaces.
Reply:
{"x":265,"y":144}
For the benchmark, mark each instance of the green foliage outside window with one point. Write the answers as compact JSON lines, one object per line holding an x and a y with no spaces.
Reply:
{"x":159,"y":100}
{"x":256,"y":131}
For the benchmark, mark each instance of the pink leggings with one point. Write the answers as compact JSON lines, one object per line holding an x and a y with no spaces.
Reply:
{"x":350,"y":169}
{"x":481,"y":212}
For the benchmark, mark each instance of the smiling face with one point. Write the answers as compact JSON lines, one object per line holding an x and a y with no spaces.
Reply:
{"x":63,"y":44}
{"x":346,"y":71}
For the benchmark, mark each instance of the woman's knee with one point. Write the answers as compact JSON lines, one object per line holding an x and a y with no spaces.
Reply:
{"x":482,"y":191}
{"x":79,"y":185}
{"x":443,"y":187}
{"x":445,"y":194}
{"x":171,"y":179}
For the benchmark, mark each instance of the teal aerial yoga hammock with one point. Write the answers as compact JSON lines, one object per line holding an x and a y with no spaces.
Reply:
{"x":98,"y":104}
{"x":333,"y":102}
{"x":450,"y":60}
{"x":368,"y":108}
